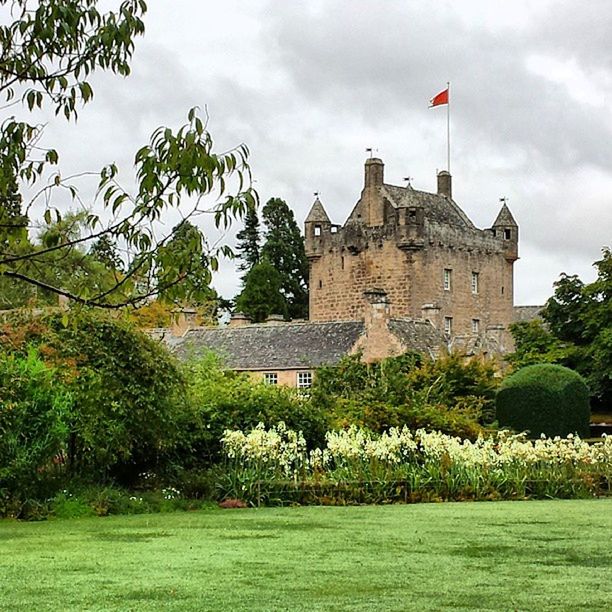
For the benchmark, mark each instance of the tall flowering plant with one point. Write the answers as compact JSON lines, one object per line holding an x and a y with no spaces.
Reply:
{"x":400,"y":464}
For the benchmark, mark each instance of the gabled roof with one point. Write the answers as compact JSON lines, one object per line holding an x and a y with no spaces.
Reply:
{"x":437,"y":207}
{"x":505,"y":218}
{"x":267,"y":347}
{"x":418,"y":335}
{"x":317,"y":213}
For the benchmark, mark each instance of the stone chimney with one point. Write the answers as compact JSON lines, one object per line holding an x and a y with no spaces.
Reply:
{"x":377,"y":341}
{"x":238,"y":319}
{"x":275,"y":319}
{"x":371,"y":200}
{"x":374,"y":172}
{"x":445,"y":187}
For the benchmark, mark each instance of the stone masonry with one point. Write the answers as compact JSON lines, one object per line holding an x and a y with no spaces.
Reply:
{"x":421,"y":251}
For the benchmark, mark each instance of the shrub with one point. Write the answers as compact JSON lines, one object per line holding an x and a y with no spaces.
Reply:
{"x":221,"y":399}
{"x":544,"y":399}
{"x":452,"y":394}
{"x":378,"y":416}
{"x":34,"y":411}
{"x":127,"y":390}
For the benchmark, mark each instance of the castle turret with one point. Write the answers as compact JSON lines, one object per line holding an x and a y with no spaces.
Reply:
{"x":316,"y":227}
{"x":371,"y":196}
{"x":506,"y":229}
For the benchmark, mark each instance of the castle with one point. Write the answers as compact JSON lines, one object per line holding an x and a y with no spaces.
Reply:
{"x":420,"y":254}
{"x":408,"y":271}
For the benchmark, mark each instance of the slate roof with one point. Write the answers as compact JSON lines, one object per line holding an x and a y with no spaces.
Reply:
{"x":505,"y":217}
{"x":419,"y":336}
{"x":317,"y":213}
{"x":283,"y":346}
{"x":437,"y":207}
{"x":526,"y":313}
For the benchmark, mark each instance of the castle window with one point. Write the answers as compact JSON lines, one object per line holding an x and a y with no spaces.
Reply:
{"x":507,"y":234}
{"x":475,"y":326}
{"x":317,"y":230}
{"x":334,"y":229}
{"x":342,"y":262}
{"x":270,"y":378}
{"x":320,"y":284}
{"x":412,"y":214}
{"x":502,"y":292}
{"x":474,"y":282}
{"x":448,"y":325}
{"x":304,"y":380}
{"x":448,"y":279}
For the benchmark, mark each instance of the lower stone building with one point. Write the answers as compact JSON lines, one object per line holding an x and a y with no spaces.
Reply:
{"x":288,"y":353}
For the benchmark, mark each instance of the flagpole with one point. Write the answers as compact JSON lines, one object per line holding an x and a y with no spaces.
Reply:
{"x":448,"y":166}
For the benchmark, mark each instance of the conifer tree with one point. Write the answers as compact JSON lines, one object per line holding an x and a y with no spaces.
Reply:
{"x":284,"y":249}
{"x":249,"y":241}
{"x":261,"y":295}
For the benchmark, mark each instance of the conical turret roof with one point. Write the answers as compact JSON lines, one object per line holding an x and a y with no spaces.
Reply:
{"x":505,"y":218}
{"x":317,"y":213}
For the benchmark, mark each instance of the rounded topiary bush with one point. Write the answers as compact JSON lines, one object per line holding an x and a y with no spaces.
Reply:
{"x":544,"y":399}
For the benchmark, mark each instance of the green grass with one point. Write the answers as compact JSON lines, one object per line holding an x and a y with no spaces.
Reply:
{"x":539,"y":555}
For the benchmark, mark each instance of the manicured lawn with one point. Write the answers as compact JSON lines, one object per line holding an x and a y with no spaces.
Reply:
{"x":540,"y":555}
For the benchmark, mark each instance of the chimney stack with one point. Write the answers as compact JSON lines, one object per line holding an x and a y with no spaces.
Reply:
{"x":445,"y":184}
{"x":238,"y":319}
{"x":374,"y":172}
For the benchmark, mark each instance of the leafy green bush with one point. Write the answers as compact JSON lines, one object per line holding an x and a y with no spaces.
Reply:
{"x":127,"y":390}
{"x":378,"y":416}
{"x":34,"y":412}
{"x":451,"y":394}
{"x":221,"y":399}
{"x":544,"y":399}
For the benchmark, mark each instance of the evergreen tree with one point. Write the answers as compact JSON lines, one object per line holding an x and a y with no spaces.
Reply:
{"x":284,"y":249}
{"x":261,"y":295}
{"x":248,"y":241}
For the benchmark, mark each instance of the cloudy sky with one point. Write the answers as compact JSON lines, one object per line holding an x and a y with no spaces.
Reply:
{"x":309,"y":85}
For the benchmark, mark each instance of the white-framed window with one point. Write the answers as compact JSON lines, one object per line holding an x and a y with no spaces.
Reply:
{"x":304,"y":380}
{"x":475,"y":326}
{"x":507,"y":234}
{"x":448,"y":325}
{"x":448,"y":279}
{"x":317,"y":230}
{"x":475,"y":276}
{"x":270,"y":378}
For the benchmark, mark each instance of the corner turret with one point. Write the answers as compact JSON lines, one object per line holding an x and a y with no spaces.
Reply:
{"x":505,"y":228}
{"x":316,"y":227}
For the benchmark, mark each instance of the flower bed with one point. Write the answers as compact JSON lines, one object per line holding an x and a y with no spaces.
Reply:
{"x":273,"y":466}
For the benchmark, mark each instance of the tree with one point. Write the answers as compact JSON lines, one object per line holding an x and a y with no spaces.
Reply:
{"x":248,"y":241}
{"x":49,"y":51}
{"x":579,"y":335}
{"x":261,"y":295}
{"x":284,"y":249}
{"x":104,"y":250}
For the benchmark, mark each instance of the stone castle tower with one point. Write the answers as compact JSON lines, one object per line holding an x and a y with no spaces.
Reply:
{"x":421,"y":251}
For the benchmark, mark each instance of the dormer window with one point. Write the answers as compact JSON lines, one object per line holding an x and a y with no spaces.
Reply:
{"x":334,"y":229}
{"x":317,"y":230}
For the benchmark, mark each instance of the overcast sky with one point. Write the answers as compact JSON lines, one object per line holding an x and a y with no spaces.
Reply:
{"x":309,"y":85}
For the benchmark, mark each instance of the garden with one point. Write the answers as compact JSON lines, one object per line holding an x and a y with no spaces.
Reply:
{"x":97,"y":418}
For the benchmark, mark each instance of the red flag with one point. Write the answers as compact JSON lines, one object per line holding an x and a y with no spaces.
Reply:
{"x":441,"y":98}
